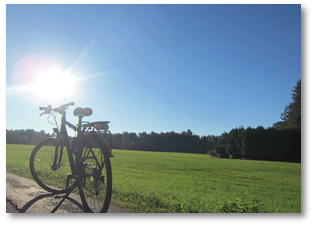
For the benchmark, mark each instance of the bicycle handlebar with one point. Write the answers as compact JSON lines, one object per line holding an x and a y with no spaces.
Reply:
{"x":60,"y":110}
{"x":66,"y":105}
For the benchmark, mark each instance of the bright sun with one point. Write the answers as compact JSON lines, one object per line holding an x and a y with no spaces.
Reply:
{"x":53,"y":84}
{"x":40,"y":78}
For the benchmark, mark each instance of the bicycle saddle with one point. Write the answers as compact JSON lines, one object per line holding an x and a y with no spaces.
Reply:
{"x":82,"y":111}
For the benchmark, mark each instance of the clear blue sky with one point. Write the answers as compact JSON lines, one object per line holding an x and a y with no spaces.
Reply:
{"x":208,"y":68}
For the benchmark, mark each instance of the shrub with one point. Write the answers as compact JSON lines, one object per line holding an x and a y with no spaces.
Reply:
{"x":219,"y":151}
{"x":241,"y":205}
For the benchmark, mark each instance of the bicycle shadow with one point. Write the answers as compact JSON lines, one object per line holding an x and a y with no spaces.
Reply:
{"x":50,"y":204}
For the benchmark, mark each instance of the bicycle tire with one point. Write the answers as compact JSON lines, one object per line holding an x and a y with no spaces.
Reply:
{"x":41,"y":161}
{"x":96,"y":186}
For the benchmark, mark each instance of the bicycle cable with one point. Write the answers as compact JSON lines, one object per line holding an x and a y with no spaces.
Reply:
{"x":55,"y":121}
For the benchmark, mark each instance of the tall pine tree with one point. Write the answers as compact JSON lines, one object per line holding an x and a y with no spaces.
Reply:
{"x":291,"y":117}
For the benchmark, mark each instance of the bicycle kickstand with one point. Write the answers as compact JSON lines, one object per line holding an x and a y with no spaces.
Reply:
{"x":64,"y":197}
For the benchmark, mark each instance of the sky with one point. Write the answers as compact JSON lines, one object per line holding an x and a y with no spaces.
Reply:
{"x":161,"y":68}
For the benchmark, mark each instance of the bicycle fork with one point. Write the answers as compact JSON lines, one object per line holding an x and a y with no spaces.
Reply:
{"x":58,"y":155}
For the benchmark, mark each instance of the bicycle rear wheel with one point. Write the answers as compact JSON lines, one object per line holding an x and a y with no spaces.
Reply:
{"x":96,"y":187}
{"x":49,"y":166}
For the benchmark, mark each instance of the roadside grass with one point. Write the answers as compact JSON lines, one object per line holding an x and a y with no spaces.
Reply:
{"x":17,"y":159}
{"x":182,"y":182}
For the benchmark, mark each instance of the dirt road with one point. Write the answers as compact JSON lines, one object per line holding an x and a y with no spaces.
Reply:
{"x":20,"y":191}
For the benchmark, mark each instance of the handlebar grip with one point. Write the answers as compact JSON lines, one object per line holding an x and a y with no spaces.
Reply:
{"x":66,"y":105}
{"x":47,"y":109}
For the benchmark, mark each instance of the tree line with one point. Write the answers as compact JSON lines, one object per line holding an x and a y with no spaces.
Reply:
{"x":265,"y":144}
{"x":251,"y":143}
{"x":281,"y":142}
{"x":185,"y":141}
{"x":26,"y":137}
{"x":172,"y":141}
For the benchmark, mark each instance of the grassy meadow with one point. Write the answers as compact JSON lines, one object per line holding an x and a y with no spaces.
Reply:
{"x":182,"y":182}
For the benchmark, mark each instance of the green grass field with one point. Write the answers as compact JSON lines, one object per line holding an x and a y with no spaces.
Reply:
{"x":181,"y":182}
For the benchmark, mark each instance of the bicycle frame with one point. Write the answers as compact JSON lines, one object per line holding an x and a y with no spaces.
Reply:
{"x":63,"y":140}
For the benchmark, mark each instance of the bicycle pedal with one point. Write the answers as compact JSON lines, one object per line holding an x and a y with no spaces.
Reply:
{"x":110,"y":154}
{"x":59,"y":196}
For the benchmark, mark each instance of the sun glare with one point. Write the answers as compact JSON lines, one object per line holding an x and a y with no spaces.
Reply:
{"x":53,"y":84}
{"x":40,"y":78}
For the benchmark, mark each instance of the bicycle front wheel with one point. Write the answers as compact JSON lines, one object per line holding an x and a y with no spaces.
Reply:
{"x":49,"y":166}
{"x":96,"y":187}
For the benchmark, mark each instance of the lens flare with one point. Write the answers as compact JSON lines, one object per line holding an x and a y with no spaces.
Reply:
{"x":41,"y":78}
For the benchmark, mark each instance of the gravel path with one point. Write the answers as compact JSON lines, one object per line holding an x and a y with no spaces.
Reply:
{"x":20,"y":190}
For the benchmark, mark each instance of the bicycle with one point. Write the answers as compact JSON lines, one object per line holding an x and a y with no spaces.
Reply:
{"x":82,"y":161}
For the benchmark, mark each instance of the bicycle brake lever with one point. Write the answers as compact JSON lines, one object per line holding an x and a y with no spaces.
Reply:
{"x":41,"y":114}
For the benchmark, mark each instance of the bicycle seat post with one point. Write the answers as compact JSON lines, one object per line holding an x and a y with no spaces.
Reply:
{"x":80,"y":117}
